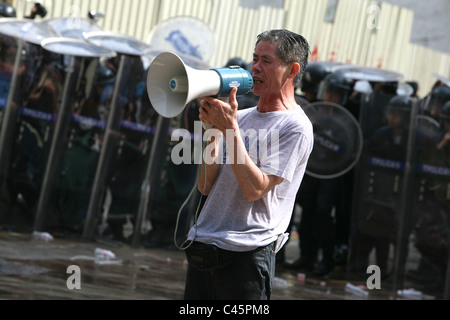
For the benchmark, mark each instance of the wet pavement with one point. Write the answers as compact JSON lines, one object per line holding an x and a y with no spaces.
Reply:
{"x":33,"y":269}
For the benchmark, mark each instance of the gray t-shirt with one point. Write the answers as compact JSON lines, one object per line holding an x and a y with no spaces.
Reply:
{"x":280,"y":144}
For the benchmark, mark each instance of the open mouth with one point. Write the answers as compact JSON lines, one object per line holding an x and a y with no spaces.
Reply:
{"x":257,"y":81}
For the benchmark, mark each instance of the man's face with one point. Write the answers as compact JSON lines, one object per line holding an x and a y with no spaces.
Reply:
{"x":269,"y":73}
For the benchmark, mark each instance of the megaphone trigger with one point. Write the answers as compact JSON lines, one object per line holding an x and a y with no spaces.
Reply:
{"x":171,"y":84}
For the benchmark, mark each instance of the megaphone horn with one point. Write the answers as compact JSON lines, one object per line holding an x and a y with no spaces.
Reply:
{"x":171,"y":84}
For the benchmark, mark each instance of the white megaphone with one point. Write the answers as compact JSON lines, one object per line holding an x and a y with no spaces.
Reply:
{"x":171,"y":85}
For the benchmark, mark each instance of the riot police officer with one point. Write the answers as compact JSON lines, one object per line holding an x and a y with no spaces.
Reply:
{"x":386,"y":151}
{"x":431,"y":207}
{"x":391,"y":139}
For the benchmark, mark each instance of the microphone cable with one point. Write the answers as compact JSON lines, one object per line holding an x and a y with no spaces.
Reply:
{"x":182,"y":247}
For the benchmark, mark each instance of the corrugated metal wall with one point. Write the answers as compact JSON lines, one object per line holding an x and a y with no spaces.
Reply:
{"x":363,"y":32}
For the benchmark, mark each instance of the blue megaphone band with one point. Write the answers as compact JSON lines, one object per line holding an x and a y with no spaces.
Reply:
{"x":232,"y":77}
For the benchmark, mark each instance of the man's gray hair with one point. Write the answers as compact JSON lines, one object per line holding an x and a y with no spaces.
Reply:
{"x":292,"y":47}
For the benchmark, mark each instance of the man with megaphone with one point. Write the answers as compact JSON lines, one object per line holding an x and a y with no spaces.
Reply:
{"x":251,"y":187}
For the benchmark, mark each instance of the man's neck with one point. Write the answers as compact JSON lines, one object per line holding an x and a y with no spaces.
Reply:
{"x":276,"y":103}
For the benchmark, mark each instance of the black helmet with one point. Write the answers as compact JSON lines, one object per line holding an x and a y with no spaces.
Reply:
{"x":445,"y":113}
{"x":314,"y":74}
{"x":236,"y":61}
{"x":338,"y":80}
{"x":438,"y":98}
{"x":336,"y":83}
{"x":40,"y":10}
{"x":441,"y":94}
{"x":400,"y":103}
{"x":7,"y":10}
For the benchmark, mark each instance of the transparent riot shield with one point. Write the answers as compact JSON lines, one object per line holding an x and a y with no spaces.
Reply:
{"x":126,"y":142}
{"x":15,"y":35}
{"x":338,"y":140}
{"x":82,"y":60}
{"x":426,"y":256}
{"x":28,"y":120}
{"x":380,"y":181}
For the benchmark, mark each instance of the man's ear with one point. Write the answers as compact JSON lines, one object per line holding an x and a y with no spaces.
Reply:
{"x":295,"y":69}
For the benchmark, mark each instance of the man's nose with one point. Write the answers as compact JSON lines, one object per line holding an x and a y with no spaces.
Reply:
{"x":255,"y":66}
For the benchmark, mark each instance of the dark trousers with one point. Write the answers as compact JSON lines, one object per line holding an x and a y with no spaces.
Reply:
{"x":249,"y":276}
{"x":316,"y":230}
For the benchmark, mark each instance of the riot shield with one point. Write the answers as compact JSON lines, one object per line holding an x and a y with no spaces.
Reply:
{"x":83,"y":58}
{"x":428,"y":251}
{"x":380,"y":181}
{"x":338,"y":140}
{"x":125,"y":141}
{"x":28,"y":120}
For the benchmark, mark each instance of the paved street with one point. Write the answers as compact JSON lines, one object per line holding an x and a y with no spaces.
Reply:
{"x":36,"y":270}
